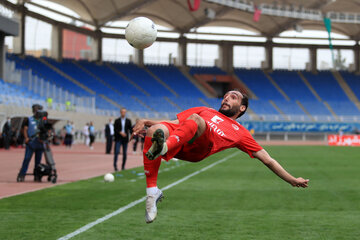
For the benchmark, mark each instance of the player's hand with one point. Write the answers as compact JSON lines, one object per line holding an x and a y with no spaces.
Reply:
{"x":138,"y":128}
{"x":300,"y":182}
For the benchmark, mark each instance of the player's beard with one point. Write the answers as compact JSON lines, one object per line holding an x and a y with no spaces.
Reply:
{"x":229,"y":112}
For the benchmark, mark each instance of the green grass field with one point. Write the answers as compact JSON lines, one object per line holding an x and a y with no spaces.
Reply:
{"x":237,"y":199}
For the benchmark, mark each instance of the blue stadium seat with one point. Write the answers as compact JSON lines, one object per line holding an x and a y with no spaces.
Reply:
{"x":291,"y":83}
{"x":259,"y":84}
{"x":353,"y":81}
{"x":176,"y":80}
{"x":143,"y":79}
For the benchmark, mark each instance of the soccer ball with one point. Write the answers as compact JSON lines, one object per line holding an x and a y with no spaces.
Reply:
{"x":109,"y":177}
{"x":141,"y":32}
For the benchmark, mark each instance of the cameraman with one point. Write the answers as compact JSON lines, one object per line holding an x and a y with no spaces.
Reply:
{"x":32,"y":141}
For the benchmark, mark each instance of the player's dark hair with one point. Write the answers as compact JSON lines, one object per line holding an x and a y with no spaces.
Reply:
{"x":244,"y":101}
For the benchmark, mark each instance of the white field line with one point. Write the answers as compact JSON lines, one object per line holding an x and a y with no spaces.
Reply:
{"x":132,"y":204}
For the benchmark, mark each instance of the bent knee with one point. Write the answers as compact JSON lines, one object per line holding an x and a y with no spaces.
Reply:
{"x":199,"y":120}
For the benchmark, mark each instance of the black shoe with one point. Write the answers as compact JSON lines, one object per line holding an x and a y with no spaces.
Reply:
{"x":20,"y":178}
{"x":116,"y":169}
{"x":158,"y":146}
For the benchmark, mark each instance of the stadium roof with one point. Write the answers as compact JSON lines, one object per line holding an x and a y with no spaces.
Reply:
{"x":175,"y":14}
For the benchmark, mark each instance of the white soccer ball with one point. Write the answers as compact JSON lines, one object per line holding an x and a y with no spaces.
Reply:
{"x":109,"y":177}
{"x":141,"y":32}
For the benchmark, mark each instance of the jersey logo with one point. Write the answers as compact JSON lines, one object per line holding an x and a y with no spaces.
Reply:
{"x":217,"y":119}
{"x":235,"y":127}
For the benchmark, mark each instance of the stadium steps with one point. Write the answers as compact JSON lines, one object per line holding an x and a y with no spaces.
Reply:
{"x":278,"y":109}
{"x":77,"y":64}
{"x":276,"y":86}
{"x":161,"y":82}
{"x":309,"y":86}
{"x":127,"y":79}
{"x":173,"y":103}
{"x":305,"y":111}
{"x":143,"y":104}
{"x":351,"y":95}
{"x":251,"y":93}
{"x":185,"y":71}
{"x":332,"y":111}
{"x":110,"y":101}
{"x":66,"y":76}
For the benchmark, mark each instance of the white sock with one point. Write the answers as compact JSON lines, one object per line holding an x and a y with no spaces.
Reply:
{"x":152,"y":190}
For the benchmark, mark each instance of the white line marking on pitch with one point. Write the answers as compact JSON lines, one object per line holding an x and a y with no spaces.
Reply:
{"x":132,"y":204}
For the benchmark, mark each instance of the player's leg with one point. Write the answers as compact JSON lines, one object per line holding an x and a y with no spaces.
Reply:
{"x":188,"y":130}
{"x":151,"y":168}
{"x":160,"y":141}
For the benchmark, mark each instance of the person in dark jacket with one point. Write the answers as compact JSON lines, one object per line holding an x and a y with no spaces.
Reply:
{"x":122,"y":131}
{"x":109,"y":135}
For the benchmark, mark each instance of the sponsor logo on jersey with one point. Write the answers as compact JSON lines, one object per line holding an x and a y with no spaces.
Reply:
{"x":215,"y":128}
{"x":217,"y":119}
{"x":236,"y":127}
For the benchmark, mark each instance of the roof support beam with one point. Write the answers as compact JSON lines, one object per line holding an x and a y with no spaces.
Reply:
{"x":204,"y":20}
{"x":279,"y":29}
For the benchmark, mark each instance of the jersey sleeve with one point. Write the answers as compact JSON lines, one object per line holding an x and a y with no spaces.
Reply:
{"x":248,"y":144}
{"x":187,"y":113}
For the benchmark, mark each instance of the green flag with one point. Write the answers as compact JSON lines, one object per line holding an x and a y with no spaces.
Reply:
{"x":327,"y":22}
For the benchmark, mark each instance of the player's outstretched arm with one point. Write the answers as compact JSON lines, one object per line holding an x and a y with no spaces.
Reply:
{"x":142,"y":123}
{"x":271,"y":163}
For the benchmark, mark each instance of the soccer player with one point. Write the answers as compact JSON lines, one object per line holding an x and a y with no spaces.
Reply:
{"x":196,"y":134}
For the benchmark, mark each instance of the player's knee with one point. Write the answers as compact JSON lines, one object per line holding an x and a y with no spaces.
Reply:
{"x":199,"y":120}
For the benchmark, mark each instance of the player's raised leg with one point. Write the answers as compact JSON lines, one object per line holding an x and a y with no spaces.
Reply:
{"x":151,"y":168}
{"x":163,"y":142}
{"x":188,"y":130}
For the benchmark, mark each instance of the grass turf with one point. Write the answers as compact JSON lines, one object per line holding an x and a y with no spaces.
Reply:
{"x":236,"y":199}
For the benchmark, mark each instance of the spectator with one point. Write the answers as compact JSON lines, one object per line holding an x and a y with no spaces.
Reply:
{"x":7,"y":133}
{"x":138,"y":138}
{"x":86,"y":134}
{"x":68,"y":134}
{"x":109,"y":134}
{"x":91,"y":135}
{"x":122,"y":129}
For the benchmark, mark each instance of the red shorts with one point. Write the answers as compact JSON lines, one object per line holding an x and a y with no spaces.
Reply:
{"x":192,"y":152}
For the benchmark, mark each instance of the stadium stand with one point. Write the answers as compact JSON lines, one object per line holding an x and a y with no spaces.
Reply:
{"x":163,"y":89}
{"x":12,"y":94}
{"x":176,"y":80}
{"x":353,"y":81}
{"x":291,"y":83}
{"x":258,"y":83}
{"x":143,"y":79}
{"x":330,"y":91}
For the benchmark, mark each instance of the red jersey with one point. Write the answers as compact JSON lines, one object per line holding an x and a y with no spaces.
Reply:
{"x":221,"y":133}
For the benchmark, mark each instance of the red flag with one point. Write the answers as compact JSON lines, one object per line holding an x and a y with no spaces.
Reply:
{"x":257,"y":14}
{"x":196,"y":5}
